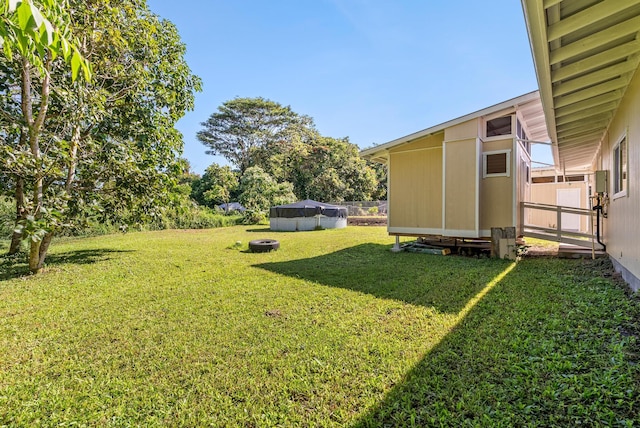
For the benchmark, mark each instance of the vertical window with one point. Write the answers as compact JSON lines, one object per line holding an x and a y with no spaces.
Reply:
{"x":498,"y":126}
{"x":620,"y":168}
{"x":522,"y":135}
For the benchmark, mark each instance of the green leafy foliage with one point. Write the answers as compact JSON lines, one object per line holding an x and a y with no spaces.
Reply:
{"x":259,"y":191}
{"x":217,"y":186}
{"x":255,"y":132}
{"x":101,"y":150}
{"x":330,"y":169}
{"x":7,"y":217}
{"x":36,"y":30}
{"x":244,"y":128}
{"x":380,"y":193}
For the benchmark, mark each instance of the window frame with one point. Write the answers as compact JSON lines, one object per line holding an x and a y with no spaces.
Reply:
{"x":620,"y":183}
{"x":488,"y":119}
{"x":507,"y":173}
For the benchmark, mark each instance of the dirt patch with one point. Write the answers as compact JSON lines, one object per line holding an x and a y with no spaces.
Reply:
{"x":541,"y":251}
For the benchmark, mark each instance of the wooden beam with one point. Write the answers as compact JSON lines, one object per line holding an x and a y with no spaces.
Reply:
{"x":582,"y":142}
{"x":595,"y":77}
{"x":579,"y":147}
{"x":583,"y":159}
{"x":596,"y":127}
{"x":591,"y":102}
{"x":591,"y":92}
{"x":595,"y":40}
{"x":586,"y":17}
{"x":564,"y":129}
{"x":579,"y":136}
{"x":585,"y":152}
{"x":550,"y":3}
{"x":595,"y":61}
{"x":536,"y":23}
{"x":587,"y":115}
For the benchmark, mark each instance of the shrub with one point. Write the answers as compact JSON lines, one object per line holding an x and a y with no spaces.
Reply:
{"x":196,"y":217}
{"x":7,"y":218}
{"x":253,"y":217}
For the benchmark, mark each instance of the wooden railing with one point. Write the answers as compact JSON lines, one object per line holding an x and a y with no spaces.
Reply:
{"x":557,"y":234}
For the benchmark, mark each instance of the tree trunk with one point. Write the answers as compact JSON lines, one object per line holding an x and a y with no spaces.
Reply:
{"x":44,"y":248}
{"x":73,"y":158}
{"x":34,"y":256}
{"x":35,"y":126}
{"x":38,"y":253}
{"x":16,"y":238}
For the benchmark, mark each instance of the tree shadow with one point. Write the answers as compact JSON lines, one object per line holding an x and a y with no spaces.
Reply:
{"x":513,"y":360}
{"x":445,"y":283}
{"x":15,"y":266}
{"x":268,"y":230}
{"x":263,"y":229}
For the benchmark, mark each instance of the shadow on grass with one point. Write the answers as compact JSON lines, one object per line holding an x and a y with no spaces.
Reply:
{"x":14,"y":266}
{"x":445,"y":283}
{"x":514,"y":360}
{"x":268,"y":230}
{"x":265,"y":230}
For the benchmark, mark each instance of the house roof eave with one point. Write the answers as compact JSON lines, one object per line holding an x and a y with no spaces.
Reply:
{"x":370,"y":153}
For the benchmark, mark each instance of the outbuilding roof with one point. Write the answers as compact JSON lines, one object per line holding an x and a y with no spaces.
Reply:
{"x":529,"y":104}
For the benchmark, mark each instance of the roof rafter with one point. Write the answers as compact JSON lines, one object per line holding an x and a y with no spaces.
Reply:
{"x":575,"y":22}
{"x":596,"y":77}
{"x":595,"y":40}
{"x":595,"y":61}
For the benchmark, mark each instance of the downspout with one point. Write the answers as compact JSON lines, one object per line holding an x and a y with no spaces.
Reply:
{"x":598,"y":210}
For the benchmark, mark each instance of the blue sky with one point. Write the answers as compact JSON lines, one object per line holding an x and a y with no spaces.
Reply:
{"x":370,"y":70}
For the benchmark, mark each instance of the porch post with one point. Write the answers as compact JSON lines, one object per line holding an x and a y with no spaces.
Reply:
{"x":396,"y":247}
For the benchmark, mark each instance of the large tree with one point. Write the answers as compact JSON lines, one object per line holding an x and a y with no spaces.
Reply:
{"x":330,"y":169}
{"x":106,"y":147}
{"x":244,"y":128}
{"x":254,"y":132}
{"x":37,"y":33}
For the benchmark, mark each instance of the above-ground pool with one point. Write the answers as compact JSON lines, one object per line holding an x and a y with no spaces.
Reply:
{"x":307,"y":215}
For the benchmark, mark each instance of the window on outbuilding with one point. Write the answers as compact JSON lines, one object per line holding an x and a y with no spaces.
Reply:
{"x":522,"y":136}
{"x":498,"y":126}
{"x":496,"y":164}
{"x":544,"y":179}
{"x":575,"y":178}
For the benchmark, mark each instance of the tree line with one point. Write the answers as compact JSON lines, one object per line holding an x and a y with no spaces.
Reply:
{"x":276,"y":156}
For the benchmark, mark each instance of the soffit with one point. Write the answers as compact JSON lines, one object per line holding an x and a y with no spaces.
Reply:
{"x":529,"y":104}
{"x":532,"y":114}
{"x":586,"y":52}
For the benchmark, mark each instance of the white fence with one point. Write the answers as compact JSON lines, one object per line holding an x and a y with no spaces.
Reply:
{"x":365,"y":208}
{"x":556,"y":233}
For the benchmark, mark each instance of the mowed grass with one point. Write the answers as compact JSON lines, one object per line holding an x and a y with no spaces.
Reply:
{"x":184,"y":328}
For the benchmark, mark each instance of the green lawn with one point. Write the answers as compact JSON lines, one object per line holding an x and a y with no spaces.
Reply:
{"x":180,"y":328}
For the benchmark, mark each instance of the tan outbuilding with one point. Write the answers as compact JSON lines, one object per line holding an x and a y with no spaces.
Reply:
{"x":465,"y":176}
